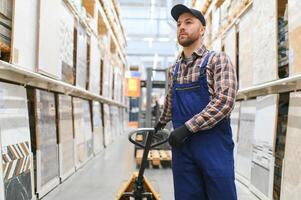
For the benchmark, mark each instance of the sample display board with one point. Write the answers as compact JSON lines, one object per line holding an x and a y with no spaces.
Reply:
{"x":49,"y":62}
{"x":15,"y":143}
{"x":94,"y":84}
{"x":246,"y":67}
{"x":235,"y":126}
{"x":294,"y":26}
{"x":245,"y":141}
{"x":107,"y":125}
{"x":24,"y":33}
{"x":66,"y":44}
{"x":65,"y":136}
{"x":265,"y":63}
{"x":291,"y":179}
{"x":46,"y":142}
{"x":262,"y":172}
{"x":82,"y":131}
{"x":97,"y":127}
{"x":81,"y":57}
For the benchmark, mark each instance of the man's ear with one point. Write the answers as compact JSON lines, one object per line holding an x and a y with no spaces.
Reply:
{"x":202,"y":31}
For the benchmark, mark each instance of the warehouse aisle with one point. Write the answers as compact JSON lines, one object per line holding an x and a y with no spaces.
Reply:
{"x":101,"y":178}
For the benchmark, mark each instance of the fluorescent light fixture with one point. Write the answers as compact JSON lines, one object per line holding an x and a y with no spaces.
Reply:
{"x":163,"y":39}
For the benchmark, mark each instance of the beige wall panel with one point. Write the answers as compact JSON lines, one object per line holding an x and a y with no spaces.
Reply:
{"x":265,"y":47}
{"x":291,"y":176}
{"x":294,"y":25}
{"x":24,"y":33}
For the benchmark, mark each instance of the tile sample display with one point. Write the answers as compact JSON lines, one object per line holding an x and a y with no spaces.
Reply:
{"x":46,"y":142}
{"x":107,"y":125}
{"x":98,"y":142}
{"x":16,"y":154}
{"x":94,"y":81}
{"x":66,"y":47}
{"x":245,"y":141}
{"x":81,"y":57}
{"x":291,"y":179}
{"x":65,"y":136}
{"x":235,"y":126}
{"x":82,"y":131}
{"x":265,"y":40}
{"x":262,"y":172}
{"x":294,"y":28}
{"x":24,"y":49}
{"x":49,"y":30}
{"x":245,"y":62}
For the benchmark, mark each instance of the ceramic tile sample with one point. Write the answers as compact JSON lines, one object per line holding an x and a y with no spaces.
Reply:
{"x":294,"y":26}
{"x":46,"y":138}
{"x":246,"y":67}
{"x":65,"y":135}
{"x":262,"y":172}
{"x":97,"y":127}
{"x":81,"y":57}
{"x":16,"y":154}
{"x":246,"y":137}
{"x":264,"y":38}
{"x":24,"y":51}
{"x":291,"y":177}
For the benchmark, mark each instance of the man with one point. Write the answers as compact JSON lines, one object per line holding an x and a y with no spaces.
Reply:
{"x":200,"y":97}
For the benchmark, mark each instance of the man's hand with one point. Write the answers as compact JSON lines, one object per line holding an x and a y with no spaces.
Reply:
{"x":178,"y":136}
{"x":159,"y":126}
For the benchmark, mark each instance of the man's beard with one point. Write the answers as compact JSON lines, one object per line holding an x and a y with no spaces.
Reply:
{"x":188,"y":41}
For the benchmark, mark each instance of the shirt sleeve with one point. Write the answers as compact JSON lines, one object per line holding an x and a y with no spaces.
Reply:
{"x":166,"y":114}
{"x":223,"y":98}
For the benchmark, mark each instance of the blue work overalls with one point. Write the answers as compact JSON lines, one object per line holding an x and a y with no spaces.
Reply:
{"x":203,"y":168}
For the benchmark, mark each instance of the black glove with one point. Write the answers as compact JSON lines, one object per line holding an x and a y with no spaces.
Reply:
{"x":159,"y":126}
{"x":178,"y":136}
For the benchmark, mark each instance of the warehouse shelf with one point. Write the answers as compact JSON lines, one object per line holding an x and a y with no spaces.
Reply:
{"x":289,"y":84}
{"x":90,"y":29}
{"x":17,"y":74}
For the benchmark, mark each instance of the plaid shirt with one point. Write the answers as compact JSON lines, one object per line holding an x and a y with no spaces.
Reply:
{"x":222,"y":85}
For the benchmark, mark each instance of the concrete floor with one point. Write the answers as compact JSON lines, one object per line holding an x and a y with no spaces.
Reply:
{"x":101,"y":177}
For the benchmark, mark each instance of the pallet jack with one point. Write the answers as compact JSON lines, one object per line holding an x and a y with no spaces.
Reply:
{"x":138,"y":187}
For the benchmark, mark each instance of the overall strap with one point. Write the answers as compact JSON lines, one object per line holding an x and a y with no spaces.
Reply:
{"x":206,"y":59}
{"x":175,"y":73}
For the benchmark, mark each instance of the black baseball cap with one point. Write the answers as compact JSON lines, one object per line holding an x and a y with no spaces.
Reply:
{"x":179,"y":9}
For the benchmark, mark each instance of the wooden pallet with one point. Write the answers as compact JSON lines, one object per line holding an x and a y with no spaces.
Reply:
{"x":156,"y":158}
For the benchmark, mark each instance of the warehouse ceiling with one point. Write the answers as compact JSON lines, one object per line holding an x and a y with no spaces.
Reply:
{"x":150,"y":32}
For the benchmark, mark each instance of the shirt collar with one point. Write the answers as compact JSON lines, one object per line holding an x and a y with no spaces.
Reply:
{"x":197,"y":53}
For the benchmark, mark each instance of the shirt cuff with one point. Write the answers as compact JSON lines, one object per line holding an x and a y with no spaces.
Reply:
{"x":192,"y":126}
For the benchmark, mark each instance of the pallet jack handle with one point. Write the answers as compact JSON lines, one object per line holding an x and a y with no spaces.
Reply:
{"x":150,"y":134}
